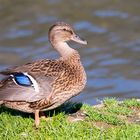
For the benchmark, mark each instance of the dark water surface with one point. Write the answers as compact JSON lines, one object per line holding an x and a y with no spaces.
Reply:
{"x":112,"y":28}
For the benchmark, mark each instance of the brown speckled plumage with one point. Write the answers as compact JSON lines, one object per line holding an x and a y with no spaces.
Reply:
{"x":57,"y":80}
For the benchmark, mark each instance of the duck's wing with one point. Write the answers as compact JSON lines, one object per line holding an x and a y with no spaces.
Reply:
{"x":30,"y":82}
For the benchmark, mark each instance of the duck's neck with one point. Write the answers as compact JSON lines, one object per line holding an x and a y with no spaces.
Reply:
{"x":64,"y":49}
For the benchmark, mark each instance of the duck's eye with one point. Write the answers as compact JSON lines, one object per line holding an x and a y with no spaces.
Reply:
{"x":67,"y":30}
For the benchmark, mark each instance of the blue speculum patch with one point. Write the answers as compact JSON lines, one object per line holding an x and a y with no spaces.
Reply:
{"x":22,"y":79}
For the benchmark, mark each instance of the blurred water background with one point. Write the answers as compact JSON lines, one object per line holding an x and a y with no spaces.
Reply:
{"x":111,"y":27}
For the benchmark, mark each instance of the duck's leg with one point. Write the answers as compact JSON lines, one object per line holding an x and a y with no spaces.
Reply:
{"x":37,"y":121}
{"x":42,"y":115}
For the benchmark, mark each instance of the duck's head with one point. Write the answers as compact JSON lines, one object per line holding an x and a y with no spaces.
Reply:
{"x":62,"y":32}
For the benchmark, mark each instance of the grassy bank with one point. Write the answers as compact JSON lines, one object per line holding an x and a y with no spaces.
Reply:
{"x":110,"y":121}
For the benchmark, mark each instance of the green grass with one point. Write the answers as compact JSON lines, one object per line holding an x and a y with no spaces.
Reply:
{"x":132,"y":102}
{"x":114,"y":121}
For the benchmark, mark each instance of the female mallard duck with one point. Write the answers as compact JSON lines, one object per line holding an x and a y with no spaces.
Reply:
{"x":45,"y":84}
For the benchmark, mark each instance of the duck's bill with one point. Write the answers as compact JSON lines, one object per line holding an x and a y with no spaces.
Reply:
{"x":77,"y":39}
